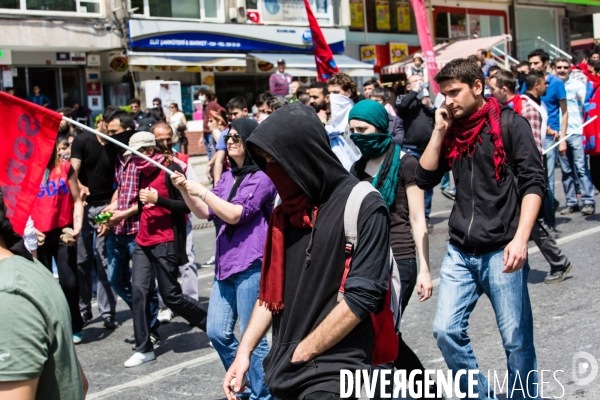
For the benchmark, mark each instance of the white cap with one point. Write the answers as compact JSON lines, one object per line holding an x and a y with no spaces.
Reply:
{"x":141,"y":139}
{"x":418,"y":55}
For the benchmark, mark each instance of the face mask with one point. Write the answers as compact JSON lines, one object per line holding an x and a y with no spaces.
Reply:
{"x":372,"y":145}
{"x":202,"y":98}
{"x":262,"y":117}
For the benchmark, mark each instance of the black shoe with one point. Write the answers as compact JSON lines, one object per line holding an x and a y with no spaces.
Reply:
{"x":588,"y":209}
{"x":569,"y":210}
{"x":86,"y":319}
{"x":450,"y":194}
{"x":130,"y":339}
{"x":110,"y":323}
{"x":558,"y":276}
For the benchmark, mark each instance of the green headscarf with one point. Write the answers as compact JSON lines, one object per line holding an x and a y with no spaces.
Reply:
{"x":374,"y":145}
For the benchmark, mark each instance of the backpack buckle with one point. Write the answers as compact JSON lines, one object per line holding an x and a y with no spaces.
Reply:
{"x":349,"y":249}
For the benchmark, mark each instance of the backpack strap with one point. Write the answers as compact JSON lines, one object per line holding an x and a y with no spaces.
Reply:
{"x":351,"y":211}
{"x":507,"y":124}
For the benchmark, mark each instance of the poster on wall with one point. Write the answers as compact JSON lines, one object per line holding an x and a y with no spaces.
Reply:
{"x":398,"y":51}
{"x":117,"y":61}
{"x":357,"y":17}
{"x":403,"y":10}
{"x":368,"y":54}
{"x":382,"y":14}
{"x":207,"y":78}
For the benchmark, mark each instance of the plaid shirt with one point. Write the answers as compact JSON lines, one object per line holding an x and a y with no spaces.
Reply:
{"x":128,"y":186}
{"x":535,"y":120}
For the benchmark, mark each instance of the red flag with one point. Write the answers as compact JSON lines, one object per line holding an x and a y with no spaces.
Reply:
{"x":326,"y":65}
{"x":425,"y":40}
{"x":27,"y":140}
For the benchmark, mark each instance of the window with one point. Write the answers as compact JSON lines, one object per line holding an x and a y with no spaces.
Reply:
{"x":60,"y":7}
{"x":461,"y":23}
{"x":210,"y":10}
{"x":389,"y":16}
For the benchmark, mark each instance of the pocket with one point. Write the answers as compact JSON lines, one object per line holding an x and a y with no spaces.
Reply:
{"x":487,"y":226}
{"x":284,"y":377}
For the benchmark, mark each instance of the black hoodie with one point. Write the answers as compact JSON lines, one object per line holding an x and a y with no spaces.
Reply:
{"x":295,"y":137}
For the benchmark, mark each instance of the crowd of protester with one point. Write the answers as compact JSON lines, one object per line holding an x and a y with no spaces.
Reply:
{"x":280,"y":169}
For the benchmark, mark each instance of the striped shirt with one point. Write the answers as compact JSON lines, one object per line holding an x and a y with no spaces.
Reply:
{"x":279,"y":84}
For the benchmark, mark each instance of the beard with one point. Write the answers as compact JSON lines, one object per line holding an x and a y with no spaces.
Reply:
{"x":319,"y":107}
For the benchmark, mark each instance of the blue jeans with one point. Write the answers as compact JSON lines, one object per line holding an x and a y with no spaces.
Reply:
{"x":463,"y":279}
{"x":549,"y":200}
{"x":209,"y":144}
{"x":119,"y":252}
{"x":429,"y":192}
{"x":230,"y":299}
{"x":572,"y":165}
{"x":445,"y":181}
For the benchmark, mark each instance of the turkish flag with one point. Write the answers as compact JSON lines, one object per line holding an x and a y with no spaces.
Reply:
{"x":326,"y":65}
{"x":27,"y":140}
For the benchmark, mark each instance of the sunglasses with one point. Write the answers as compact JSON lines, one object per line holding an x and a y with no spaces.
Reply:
{"x":155,"y":104}
{"x":562,"y":67}
{"x":236,"y":138}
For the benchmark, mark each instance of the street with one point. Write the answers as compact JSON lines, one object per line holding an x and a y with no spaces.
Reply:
{"x":565,"y":322}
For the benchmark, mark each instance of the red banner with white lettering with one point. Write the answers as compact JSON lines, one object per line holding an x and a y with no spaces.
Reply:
{"x":425,"y":41}
{"x":27,"y":140}
{"x":326,"y":65}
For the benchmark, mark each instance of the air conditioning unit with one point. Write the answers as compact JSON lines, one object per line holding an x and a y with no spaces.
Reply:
{"x":253,"y":17}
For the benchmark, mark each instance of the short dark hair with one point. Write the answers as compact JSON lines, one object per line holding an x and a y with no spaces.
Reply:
{"x":381,"y":92}
{"x":532,"y":78}
{"x":135,"y":101}
{"x":66,"y":111}
{"x":237,"y":102}
{"x":262,"y":98}
{"x":371,"y":81}
{"x":209,"y":95}
{"x":158,"y":100}
{"x":493,"y":68}
{"x":108,"y":112}
{"x":464,"y":70}
{"x":320,"y":85}
{"x":595,"y":65}
{"x":125,"y":119}
{"x":562,"y":59}
{"x":346,"y":83}
{"x":523,"y":64}
{"x":277,"y":102}
{"x":505,"y":79}
{"x":579,"y":56}
{"x":539,"y":53}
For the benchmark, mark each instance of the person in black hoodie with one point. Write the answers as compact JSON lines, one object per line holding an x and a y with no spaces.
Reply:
{"x":314,"y":336}
{"x":490,"y":224}
{"x":417,"y":112}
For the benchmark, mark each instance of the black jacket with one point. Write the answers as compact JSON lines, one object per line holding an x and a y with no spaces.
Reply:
{"x":417,"y":119}
{"x":396,"y":128}
{"x":314,"y":258}
{"x":179,"y":211}
{"x":486,"y":212}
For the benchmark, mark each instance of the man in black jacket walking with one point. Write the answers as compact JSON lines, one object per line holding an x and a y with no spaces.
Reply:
{"x":417,"y":112}
{"x":489,"y":226}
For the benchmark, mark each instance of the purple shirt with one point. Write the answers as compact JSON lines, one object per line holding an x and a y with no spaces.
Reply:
{"x":256,"y":195}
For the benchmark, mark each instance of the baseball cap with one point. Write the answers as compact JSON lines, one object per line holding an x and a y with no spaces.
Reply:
{"x":418,"y":55}
{"x":281,"y":61}
{"x":141,"y":139}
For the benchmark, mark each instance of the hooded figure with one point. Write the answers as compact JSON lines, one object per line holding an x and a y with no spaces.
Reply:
{"x":304,"y":258}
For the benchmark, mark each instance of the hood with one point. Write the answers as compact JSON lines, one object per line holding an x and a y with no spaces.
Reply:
{"x":295,"y":137}
{"x":244,"y":127}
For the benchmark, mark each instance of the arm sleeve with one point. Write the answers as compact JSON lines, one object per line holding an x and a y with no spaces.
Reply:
{"x":561,"y":92}
{"x":529,"y":170}
{"x":258,"y":191}
{"x":397,"y":130}
{"x":78,"y":148}
{"x":24,"y":340}
{"x":221,"y":146}
{"x":426,"y":179}
{"x":367,"y":280}
{"x":406,"y":102}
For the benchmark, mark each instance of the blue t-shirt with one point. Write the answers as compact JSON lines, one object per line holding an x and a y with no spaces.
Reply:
{"x":221,"y":145}
{"x":554,"y":94}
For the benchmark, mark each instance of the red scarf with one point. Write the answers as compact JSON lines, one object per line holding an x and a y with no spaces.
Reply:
{"x":295,"y":209}
{"x":464,"y":133}
{"x":146,"y":167}
{"x":517,"y":104}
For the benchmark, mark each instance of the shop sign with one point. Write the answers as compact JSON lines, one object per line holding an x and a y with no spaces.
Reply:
{"x":7,"y":78}
{"x":70,"y":58}
{"x":289,"y":10}
{"x":382,"y":15}
{"x":398,"y":52}
{"x":368,"y":54}
{"x":403,"y":10}
{"x":93,"y":60}
{"x":94,"y":89}
{"x":357,"y":18}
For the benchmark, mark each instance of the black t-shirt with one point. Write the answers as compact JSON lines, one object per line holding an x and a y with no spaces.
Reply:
{"x":401,"y":239}
{"x":97,"y":170}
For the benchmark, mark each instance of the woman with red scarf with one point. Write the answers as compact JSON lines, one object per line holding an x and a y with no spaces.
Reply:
{"x":159,"y":246}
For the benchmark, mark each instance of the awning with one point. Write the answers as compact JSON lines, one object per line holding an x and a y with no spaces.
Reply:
{"x":188,"y":59}
{"x":304,"y":64}
{"x":446,"y":52}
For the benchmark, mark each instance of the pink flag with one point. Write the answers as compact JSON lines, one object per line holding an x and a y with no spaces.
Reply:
{"x":425,"y":40}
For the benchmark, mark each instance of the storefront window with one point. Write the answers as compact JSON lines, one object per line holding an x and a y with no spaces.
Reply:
{"x":472,"y":24}
{"x":45,"y":7}
{"x":52,"y":5}
{"x":175,"y":8}
{"x":10,"y":4}
{"x":211,"y":8}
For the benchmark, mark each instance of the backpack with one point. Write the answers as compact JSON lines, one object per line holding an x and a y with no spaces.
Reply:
{"x":386,"y":323}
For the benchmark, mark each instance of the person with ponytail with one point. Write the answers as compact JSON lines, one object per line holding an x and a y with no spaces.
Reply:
{"x":57,"y":215}
{"x":392,"y":173}
{"x":243,"y":201}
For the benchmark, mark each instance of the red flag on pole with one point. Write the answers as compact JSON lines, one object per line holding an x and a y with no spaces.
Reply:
{"x":27,"y":140}
{"x":326,"y":65}
{"x":425,"y":40}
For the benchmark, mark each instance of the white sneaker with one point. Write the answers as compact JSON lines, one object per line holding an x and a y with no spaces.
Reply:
{"x":165,"y":315}
{"x":139,"y":358}
{"x":209,"y":262}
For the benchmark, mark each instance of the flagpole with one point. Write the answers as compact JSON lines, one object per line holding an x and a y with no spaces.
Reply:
{"x":569,"y":134}
{"x":108,"y":138}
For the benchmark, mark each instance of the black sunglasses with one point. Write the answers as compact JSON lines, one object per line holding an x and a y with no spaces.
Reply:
{"x":236,"y":138}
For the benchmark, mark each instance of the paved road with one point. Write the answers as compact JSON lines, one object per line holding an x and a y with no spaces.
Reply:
{"x":565,"y":322}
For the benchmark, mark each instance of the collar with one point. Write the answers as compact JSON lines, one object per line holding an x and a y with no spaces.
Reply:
{"x":532,"y":97}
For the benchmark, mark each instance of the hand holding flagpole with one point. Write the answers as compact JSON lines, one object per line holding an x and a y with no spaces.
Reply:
{"x":108,"y":138}
{"x":569,"y":134}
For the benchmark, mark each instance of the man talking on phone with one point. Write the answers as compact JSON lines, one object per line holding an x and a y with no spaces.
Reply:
{"x":490,"y":223}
